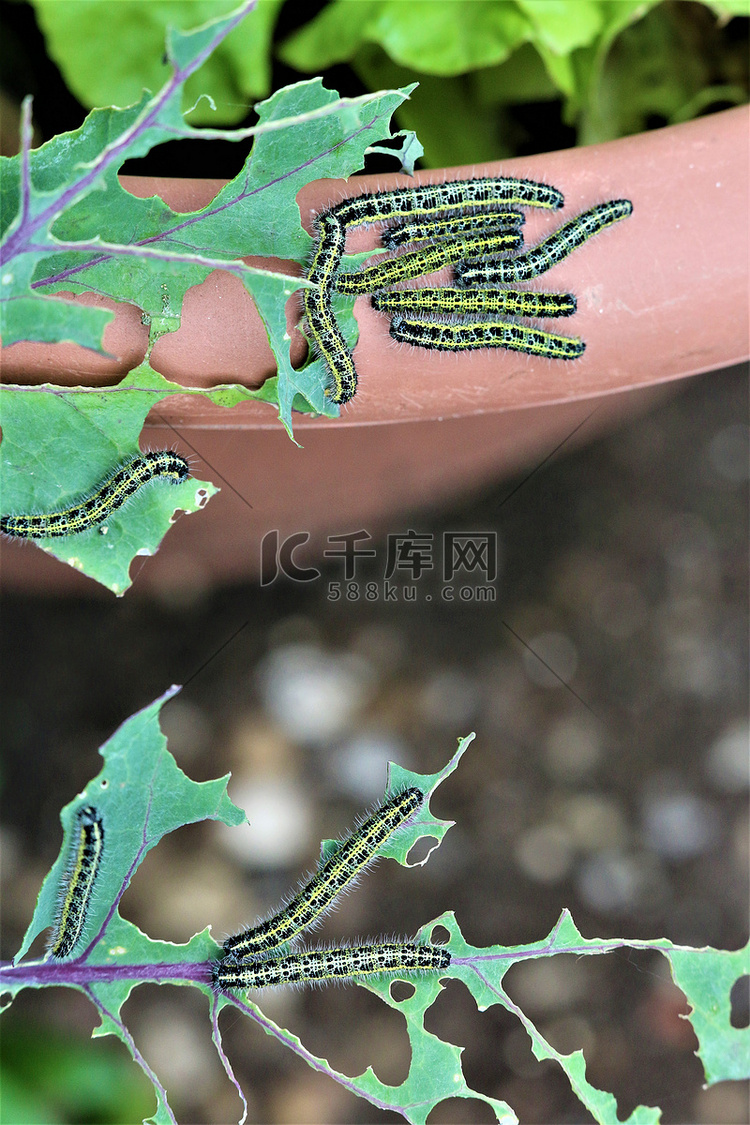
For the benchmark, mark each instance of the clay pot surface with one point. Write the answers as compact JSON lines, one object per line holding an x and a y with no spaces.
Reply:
{"x":661,"y":295}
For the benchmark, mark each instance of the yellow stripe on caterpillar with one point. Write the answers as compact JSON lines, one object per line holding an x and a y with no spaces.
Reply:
{"x":321,"y":966}
{"x":342,"y":866}
{"x":474,"y":302}
{"x":417,"y":263}
{"x":548,"y":253}
{"x":87,"y":847}
{"x":439,"y":336}
{"x":106,"y":498}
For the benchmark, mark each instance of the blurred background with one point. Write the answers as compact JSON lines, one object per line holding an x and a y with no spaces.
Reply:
{"x":615,"y":785}
{"x":616,"y":788}
{"x":497,"y":78}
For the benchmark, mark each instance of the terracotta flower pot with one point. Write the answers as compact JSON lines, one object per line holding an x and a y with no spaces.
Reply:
{"x":661,"y":296}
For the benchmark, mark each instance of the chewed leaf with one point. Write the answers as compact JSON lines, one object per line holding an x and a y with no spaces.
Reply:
{"x":482,"y":970}
{"x":68,"y":225}
{"x":706,"y":976}
{"x":422,"y":824}
{"x":56,"y":454}
{"x":435,"y":1071}
{"x":140,"y":795}
{"x":91,"y":235}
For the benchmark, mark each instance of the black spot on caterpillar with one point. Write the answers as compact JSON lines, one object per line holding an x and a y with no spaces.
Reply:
{"x":75,"y":896}
{"x":417,"y":263}
{"x":316,"y":897}
{"x":548,"y":253}
{"x":470,"y":302}
{"x":106,"y":498}
{"x":346,"y":963}
{"x":488,"y":334}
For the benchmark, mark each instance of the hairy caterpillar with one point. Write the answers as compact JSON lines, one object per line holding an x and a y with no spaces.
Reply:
{"x":75,"y":897}
{"x":315,"y":898}
{"x":455,"y":226}
{"x":404,"y":267}
{"x":486,"y":193}
{"x":468,"y":302}
{"x":487,"y":334}
{"x":548,"y":253}
{"x":106,"y":498}
{"x":346,"y":963}
{"x":433,"y":199}
{"x":326,"y":336}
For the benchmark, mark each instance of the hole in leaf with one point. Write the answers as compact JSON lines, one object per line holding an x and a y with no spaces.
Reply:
{"x":421,"y":849}
{"x":467,"y":1110}
{"x":454,"y":1019}
{"x":402,"y":990}
{"x":739,"y":998}
{"x":439,"y":935}
{"x":550,"y":985}
{"x":353,"y":1028}
{"x":627,"y":1016}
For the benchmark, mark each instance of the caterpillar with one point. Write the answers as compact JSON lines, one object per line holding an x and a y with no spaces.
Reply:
{"x":331,"y":240}
{"x":316,"y":897}
{"x":106,"y":498}
{"x":548,"y":253}
{"x":486,"y":193}
{"x":330,"y":228}
{"x":75,"y":898}
{"x":404,"y":267}
{"x":346,"y":963}
{"x":489,"y":334}
{"x":452,"y":227}
{"x":467,"y":302}
{"x":326,"y":336}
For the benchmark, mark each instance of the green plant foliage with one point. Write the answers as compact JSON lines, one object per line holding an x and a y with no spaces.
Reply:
{"x":80,"y":33}
{"x":55,"y":451}
{"x":142,"y":795}
{"x":47,"y":1078}
{"x":612,"y":66}
{"x":725,"y":9}
{"x":706,"y":977}
{"x":53,"y":215}
{"x":67,"y":225}
{"x":641,"y":68}
{"x":435,"y":37}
